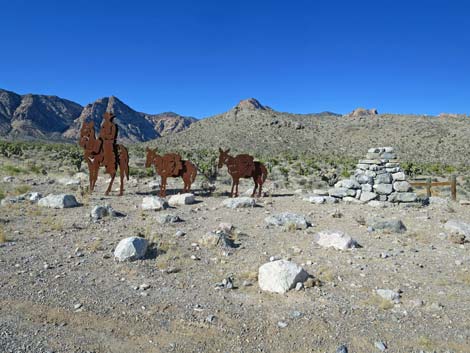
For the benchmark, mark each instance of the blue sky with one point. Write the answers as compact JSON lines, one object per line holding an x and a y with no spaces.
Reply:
{"x":200,"y":58}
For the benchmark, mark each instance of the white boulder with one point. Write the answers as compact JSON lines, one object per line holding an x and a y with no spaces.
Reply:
{"x":280,"y":276}
{"x":154,"y":203}
{"x":58,"y":201}
{"x":181,"y":199}
{"x":335,"y":239}
{"x":130,"y":249}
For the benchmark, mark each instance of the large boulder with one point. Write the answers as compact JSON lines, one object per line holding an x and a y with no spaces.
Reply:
{"x":181,"y":199}
{"x":130,"y":249}
{"x":335,"y":239}
{"x":154,"y":203}
{"x":280,"y":276}
{"x":285,"y":219}
{"x":239,"y":202}
{"x":459,"y":227}
{"x":58,"y":201}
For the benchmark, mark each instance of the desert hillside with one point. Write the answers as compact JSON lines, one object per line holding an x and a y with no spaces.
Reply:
{"x":251,"y":127}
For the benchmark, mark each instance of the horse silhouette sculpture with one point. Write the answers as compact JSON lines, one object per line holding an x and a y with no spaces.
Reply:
{"x":171,"y":165}
{"x":243,"y":166}
{"x":104,"y":152}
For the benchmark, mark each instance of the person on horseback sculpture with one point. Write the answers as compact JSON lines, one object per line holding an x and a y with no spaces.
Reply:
{"x":108,"y":134}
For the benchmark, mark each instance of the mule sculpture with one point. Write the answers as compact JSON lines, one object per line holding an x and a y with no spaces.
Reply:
{"x":103,"y":151}
{"x":243,"y":166}
{"x":171,"y":165}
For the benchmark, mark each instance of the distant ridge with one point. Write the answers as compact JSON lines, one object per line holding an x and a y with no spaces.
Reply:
{"x":34,"y":116}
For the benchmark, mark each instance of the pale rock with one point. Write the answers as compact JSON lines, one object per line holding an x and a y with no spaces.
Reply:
{"x":367,"y":196}
{"x":154,"y":203}
{"x":383,"y":189}
{"x":400,"y":176}
{"x":335,"y":239}
{"x":58,"y":201}
{"x":130,"y":249}
{"x":401,"y":186}
{"x":280,"y":276}
{"x":239,"y":202}
{"x":285,"y":219}
{"x":181,"y":199}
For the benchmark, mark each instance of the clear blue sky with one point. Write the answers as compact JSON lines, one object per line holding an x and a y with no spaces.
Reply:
{"x":200,"y":58}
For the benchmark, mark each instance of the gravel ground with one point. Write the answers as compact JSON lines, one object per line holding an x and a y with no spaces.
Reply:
{"x":62,"y":291}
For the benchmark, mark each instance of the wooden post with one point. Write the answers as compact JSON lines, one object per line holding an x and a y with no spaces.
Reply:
{"x":428,"y":187}
{"x":453,"y":187}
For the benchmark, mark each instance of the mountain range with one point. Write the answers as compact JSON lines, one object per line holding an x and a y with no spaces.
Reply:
{"x":34,"y":116}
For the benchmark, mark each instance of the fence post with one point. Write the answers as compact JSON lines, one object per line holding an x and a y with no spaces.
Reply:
{"x":428,"y":187}
{"x":453,"y":187}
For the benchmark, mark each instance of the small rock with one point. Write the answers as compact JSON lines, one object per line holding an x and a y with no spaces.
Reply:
{"x":380,"y":346}
{"x":168,"y":218}
{"x":239,"y":202}
{"x":389,"y":294}
{"x":282,"y":324}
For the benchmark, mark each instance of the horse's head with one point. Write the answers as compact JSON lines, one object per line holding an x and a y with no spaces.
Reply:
{"x":87,"y":134}
{"x":223,"y":157}
{"x":151,"y":154}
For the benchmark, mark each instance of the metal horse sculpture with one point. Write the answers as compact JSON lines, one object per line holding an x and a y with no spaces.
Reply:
{"x":171,"y":165}
{"x":103,"y":151}
{"x":243,"y":166}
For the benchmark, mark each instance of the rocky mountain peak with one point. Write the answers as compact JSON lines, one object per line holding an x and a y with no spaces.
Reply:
{"x":250,"y":104}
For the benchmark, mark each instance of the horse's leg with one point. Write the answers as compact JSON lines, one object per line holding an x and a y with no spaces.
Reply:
{"x":236,"y":186}
{"x":93,"y":176}
{"x":233,"y":185}
{"x":163,"y":187}
{"x":256,"y":185}
{"x":110,"y":184}
{"x":121,"y":177}
{"x":260,"y":182}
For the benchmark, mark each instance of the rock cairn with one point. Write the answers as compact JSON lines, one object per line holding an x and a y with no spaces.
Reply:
{"x":378,"y":177}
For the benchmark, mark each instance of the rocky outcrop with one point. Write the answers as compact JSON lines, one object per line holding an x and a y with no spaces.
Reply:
{"x":250,"y":104}
{"x":169,"y":123}
{"x":358,"y":112}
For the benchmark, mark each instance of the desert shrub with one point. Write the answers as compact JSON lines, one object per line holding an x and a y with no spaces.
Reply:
{"x":22,"y":189}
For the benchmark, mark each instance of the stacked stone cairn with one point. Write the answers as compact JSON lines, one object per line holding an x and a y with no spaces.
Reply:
{"x":378,"y":178}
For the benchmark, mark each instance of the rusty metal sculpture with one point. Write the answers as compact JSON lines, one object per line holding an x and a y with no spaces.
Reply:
{"x":243,"y":166}
{"x":103,"y":151}
{"x":171,"y":165}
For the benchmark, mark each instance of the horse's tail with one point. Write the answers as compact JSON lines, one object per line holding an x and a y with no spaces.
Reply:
{"x":124,"y":161}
